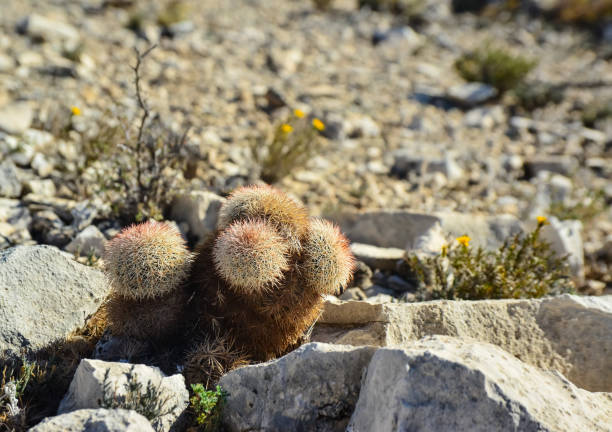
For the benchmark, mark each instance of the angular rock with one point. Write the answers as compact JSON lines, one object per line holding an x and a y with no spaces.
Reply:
{"x":40,"y":27}
{"x":402,"y":229}
{"x":565,"y":238}
{"x":446,"y":384}
{"x":41,"y":187}
{"x":95,"y":420}
{"x":41,"y":165}
{"x":44,"y":296}
{"x":14,"y":222}
{"x":87,"y":388}
{"x":471,"y":94}
{"x":312,"y":388}
{"x":15,"y":118}
{"x":90,"y":240}
{"x":48,"y":228}
{"x":377,"y":257}
{"x":405,"y":163}
{"x":200,"y":210}
{"x":10,"y":186}
{"x":61,"y":206}
{"x":567,"y":333}
{"x":83,"y":215}
{"x":563,"y":164}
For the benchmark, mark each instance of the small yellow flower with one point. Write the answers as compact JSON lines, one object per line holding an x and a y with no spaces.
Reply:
{"x":75,"y":111}
{"x":318,"y":124}
{"x":286,"y":128}
{"x":542,"y":220}
{"x":464,"y":240}
{"x":298,"y":113}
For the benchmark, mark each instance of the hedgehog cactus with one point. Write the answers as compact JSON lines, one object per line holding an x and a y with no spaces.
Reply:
{"x":273,"y":266}
{"x":328,"y":263}
{"x":254,"y":288}
{"x":251,"y":256}
{"x":146,"y":261}
{"x":287,"y":216}
{"x":146,"y":265}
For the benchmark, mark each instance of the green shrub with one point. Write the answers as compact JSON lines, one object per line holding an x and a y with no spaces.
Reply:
{"x":147,"y":401}
{"x":532,"y":96}
{"x":207,"y":406}
{"x":323,"y":4}
{"x":584,"y":11}
{"x":596,"y":112}
{"x":523,"y":267}
{"x":291,"y":145}
{"x":495,"y":66}
{"x":410,"y":9}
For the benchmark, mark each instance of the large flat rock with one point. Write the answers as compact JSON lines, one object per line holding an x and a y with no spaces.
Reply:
{"x":87,"y":388}
{"x":568,"y":333}
{"x":438,"y":383}
{"x":95,"y":420}
{"x":446,"y":384}
{"x":44,"y":296}
{"x":314,"y":388}
{"x":402,"y":229}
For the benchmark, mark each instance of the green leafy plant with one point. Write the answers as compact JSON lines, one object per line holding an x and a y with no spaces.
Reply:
{"x":146,"y":400}
{"x":523,"y":267}
{"x":207,"y":406}
{"x":291,"y":145}
{"x":495,"y":66}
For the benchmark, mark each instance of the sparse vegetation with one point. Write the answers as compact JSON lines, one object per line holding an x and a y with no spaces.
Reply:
{"x":207,"y":406}
{"x":596,"y":112}
{"x":291,"y":145}
{"x":141,"y":160}
{"x":42,"y":379}
{"x":495,"y":66}
{"x":523,"y":267}
{"x":173,"y":12}
{"x":584,"y":11}
{"x":531,"y":96}
{"x":410,"y":10}
{"x":583,"y":210}
{"x":146,"y":400}
{"x":323,"y":4}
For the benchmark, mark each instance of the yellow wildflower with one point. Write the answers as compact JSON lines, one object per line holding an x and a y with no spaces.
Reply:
{"x":75,"y":111}
{"x":464,"y":240}
{"x":298,"y":113}
{"x":542,"y":220}
{"x":318,"y":124}
{"x":286,"y":128}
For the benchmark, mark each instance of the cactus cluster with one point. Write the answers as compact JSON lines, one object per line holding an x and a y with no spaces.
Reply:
{"x":252,"y":290}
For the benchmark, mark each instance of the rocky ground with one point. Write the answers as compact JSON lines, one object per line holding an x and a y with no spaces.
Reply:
{"x":410,"y":154}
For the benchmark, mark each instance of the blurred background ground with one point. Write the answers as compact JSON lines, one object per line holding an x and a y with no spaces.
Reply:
{"x":403,"y":127}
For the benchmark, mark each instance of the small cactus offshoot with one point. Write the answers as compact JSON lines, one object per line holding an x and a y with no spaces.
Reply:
{"x":328,"y":263}
{"x":287,"y":216}
{"x":146,"y":261}
{"x":251,"y":256}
